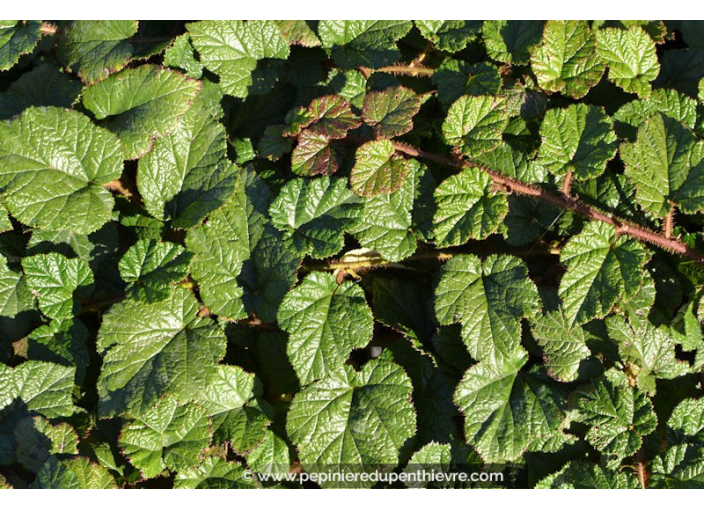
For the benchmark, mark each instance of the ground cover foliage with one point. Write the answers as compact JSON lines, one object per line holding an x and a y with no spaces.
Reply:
{"x":230,"y":249}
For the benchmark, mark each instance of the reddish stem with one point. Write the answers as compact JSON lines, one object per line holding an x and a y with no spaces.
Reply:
{"x":623,"y":227}
{"x":669,"y":221}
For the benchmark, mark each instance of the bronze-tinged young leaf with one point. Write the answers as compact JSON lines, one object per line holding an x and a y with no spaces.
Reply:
{"x":390,"y":112}
{"x":332,"y":117}
{"x":377,"y":169}
{"x":315,"y":154}
{"x":298,"y":32}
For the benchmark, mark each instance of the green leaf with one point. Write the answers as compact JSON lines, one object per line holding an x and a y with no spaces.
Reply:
{"x":390,"y":112}
{"x":141,"y":105}
{"x":377,"y":169}
{"x":584,"y":475}
{"x":353,"y":421}
{"x":16,"y":39}
{"x":449,"y":35}
{"x":63,"y":342}
{"x":150,"y":351}
{"x":181,"y":55}
{"x":271,"y":456}
{"x":14,"y":294}
{"x":386,"y":223}
{"x":489,"y":298}
{"x":223,"y":244}
{"x":602,"y":267}
{"x":95,"y":49}
{"x":567,"y":60}
{"x":455,"y":78}
{"x":44,"y":85}
{"x":370,"y":43}
{"x":433,"y":457}
{"x":513,"y":163}
{"x":269,"y":274}
{"x":168,"y":436}
{"x":43,"y":387}
{"x":237,"y":52}
{"x":666,"y":101}
{"x":508,"y":412}
{"x":686,"y":423}
{"x":315,"y":154}
{"x":37,"y":439}
{"x":467,"y":208}
{"x":578,"y":139}
{"x":187,"y":174}
{"x":666,"y":166}
{"x":54,"y":279}
{"x":74,"y":473}
{"x":52,"y":165}
{"x":214,"y":473}
{"x":151,"y":267}
{"x":230,"y":402}
{"x":649,"y":350}
{"x":619,"y":416}
{"x":325,"y":322}
{"x":630,"y":55}
{"x":314,"y":214}
{"x":511,"y":41}
{"x":5,"y":223}
{"x":680,"y":467}
{"x":474,"y":124}
{"x":564,"y":346}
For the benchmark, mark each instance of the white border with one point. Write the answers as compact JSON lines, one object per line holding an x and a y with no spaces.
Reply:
{"x":358,"y":9}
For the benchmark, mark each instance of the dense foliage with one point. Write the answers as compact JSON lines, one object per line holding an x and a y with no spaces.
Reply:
{"x":236,"y":248}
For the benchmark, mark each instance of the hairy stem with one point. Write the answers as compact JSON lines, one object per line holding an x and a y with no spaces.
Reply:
{"x":567,"y":183}
{"x":669,"y":221}
{"x":517,"y":187}
{"x":640,"y":469}
{"x":411,"y":70}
